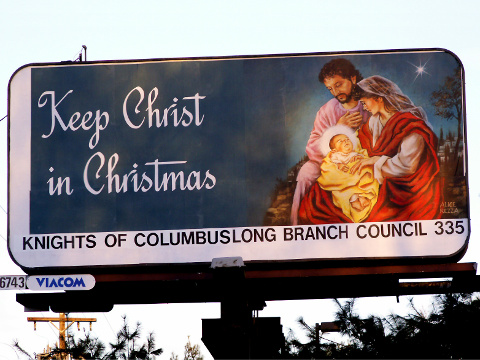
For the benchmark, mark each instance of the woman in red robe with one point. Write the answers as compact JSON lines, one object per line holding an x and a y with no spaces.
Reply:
{"x":402,"y":150}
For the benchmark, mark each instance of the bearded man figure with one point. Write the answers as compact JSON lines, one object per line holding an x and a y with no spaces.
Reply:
{"x":340,"y":78}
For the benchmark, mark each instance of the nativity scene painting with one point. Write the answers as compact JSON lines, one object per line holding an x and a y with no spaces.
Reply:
{"x":377,"y":153}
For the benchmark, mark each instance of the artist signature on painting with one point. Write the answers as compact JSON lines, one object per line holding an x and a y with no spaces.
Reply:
{"x":448,"y":207}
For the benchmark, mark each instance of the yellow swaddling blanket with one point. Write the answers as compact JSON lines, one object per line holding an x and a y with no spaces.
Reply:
{"x":344,"y":186}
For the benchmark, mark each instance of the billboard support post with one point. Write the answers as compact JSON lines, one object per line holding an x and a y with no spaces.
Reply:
{"x":238,"y":334}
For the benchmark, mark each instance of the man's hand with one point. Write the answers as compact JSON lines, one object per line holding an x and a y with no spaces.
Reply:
{"x":352,"y":120}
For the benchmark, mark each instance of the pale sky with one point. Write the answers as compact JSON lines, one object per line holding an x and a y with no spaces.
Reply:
{"x":53,"y":31}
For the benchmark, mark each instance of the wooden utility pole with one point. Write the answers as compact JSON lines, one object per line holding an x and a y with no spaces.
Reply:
{"x":64,"y":323}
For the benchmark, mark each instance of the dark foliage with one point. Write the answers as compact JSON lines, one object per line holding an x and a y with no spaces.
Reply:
{"x":449,"y":331}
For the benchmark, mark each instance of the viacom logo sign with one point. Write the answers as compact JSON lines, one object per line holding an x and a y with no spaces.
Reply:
{"x":61,"y":282}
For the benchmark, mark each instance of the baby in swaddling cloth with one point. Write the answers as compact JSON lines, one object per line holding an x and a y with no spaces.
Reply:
{"x":355,"y":194}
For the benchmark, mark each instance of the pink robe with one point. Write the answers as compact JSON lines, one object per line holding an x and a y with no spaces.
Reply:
{"x":327,"y":116}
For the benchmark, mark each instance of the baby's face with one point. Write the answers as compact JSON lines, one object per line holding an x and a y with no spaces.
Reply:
{"x":343,"y":144}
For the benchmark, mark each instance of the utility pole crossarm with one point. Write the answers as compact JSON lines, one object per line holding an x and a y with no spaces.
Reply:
{"x":64,"y":323}
{"x":49,"y":319}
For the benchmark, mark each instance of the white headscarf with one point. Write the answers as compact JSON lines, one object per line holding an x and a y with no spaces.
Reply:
{"x":389,"y":91}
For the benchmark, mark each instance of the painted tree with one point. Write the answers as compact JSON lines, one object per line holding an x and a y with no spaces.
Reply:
{"x":441,"y":140}
{"x":448,"y":104}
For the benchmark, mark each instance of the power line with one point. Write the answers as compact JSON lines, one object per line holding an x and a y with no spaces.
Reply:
{"x":108,"y":322}
{"x":3,"y":117}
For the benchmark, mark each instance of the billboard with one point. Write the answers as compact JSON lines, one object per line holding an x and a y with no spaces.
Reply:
{"x":180,"y":161}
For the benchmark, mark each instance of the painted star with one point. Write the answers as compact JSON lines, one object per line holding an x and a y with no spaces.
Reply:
{"x":420,"y":69}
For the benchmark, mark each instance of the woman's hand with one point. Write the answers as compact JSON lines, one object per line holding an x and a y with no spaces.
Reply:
{"x":356,"y":157}
{"x":358,"y":167}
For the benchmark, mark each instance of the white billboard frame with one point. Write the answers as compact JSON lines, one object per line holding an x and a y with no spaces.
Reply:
{"x":436,"y":238}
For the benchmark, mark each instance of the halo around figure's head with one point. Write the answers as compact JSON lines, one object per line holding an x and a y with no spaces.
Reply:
{"x":336,"y":130}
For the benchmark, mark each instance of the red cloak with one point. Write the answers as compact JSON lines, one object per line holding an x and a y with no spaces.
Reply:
{"x":413,"y":197}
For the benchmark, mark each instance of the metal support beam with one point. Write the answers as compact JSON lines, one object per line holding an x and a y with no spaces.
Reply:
{"x":268,"y":285}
